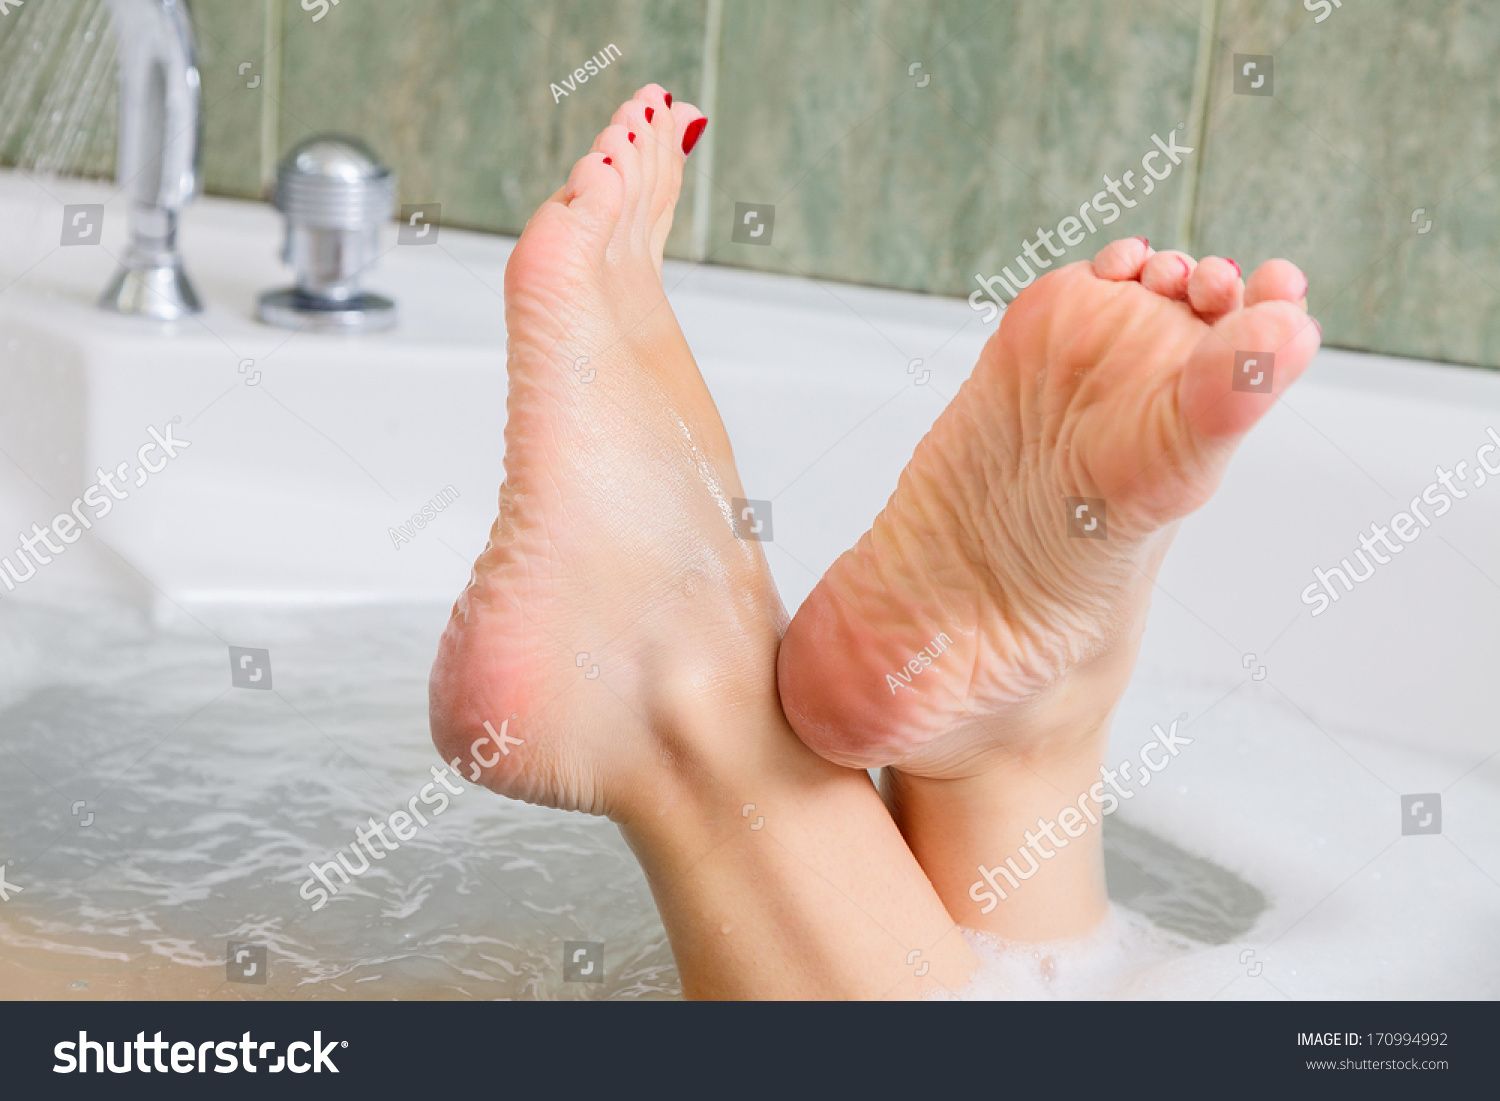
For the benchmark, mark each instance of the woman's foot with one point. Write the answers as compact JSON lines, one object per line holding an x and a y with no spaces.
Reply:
{"x":994,"y":610}
{"x":612,"y":591}
{"x":615,"y":650}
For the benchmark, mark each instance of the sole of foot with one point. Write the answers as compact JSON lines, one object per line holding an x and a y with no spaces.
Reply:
{"x":995,"y":608}
{"x":612,"y":595}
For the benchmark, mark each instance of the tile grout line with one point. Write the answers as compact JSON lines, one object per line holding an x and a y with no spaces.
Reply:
{"x":1187,"y":209}
{"x":708,"y":103}
{"x":270,"y":102}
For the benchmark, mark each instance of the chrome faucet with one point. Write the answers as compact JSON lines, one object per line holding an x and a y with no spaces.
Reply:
{"x":156,"y":163}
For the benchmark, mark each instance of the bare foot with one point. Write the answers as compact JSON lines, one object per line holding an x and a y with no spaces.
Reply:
{"x":984,"y":616}
{"x":612,"y":591}
{"x":615,"y":650}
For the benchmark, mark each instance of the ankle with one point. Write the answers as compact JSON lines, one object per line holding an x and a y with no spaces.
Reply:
{"x":768,"y":852}
{"x":721,"y":745}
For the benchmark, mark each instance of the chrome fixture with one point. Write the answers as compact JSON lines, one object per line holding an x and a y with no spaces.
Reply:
{"x":156,"y":163}
{"x":335,"y":194}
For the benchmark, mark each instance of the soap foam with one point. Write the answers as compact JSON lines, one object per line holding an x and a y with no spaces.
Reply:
{"x":1116,"y":960}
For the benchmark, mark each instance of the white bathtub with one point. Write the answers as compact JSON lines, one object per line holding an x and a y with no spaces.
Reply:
{"x":274,"y":528}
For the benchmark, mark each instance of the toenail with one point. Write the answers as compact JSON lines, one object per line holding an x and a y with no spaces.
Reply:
{"x":1304,"y":288}
{"x":668,"y":97}
{"x":608,"y":161}
{"x":630,"y":137}
{"x":1185,"y":269}
{"x":1314,"y":320}
{"x":650,"y":111}
{"x":694,"y":132}
{"x":1236,"y":266}
{"x":1143,"y":241}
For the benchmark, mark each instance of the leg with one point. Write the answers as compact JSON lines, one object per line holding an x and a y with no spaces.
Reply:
{"x":977,"y":639}
{"x":614,"y":652}
{"x":811,"y":894}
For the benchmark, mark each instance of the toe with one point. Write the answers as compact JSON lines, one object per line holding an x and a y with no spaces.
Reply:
{"x":615,"y":143}
{"x":655,"y":96}
{"x":595,"y":190}
{"x":683,"y":124}
{"x":1123,"y":260}
{"x":1215,"y":288}
{"x":1244,"y":363}
{"x":1277,"y":281}
{"x":640,"y":133}
{"x":690,"y":123}
{"x":646,"y":149}
{"x":1167,"y":274}
{"x":632,"y":115}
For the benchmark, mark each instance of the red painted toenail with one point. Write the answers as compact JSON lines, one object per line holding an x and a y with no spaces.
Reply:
{"x":694,"y":132}
{"x":630,"y":137}
{"x":650,"y":111}
{"x":668,"y":97}
{"x":608,"y":161}
{"x":1143,"y":241}
{"x":1304,"y":289}
{"x":1227,"y":260}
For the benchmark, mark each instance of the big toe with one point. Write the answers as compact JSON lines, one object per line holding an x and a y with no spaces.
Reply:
{"x":1242,"y":365}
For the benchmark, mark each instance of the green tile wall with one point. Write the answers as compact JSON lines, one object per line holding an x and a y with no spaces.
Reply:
{"x":1385,"y":107}
{"x":232,"y":34}
{"x":70,"y":43}
{"x":1382,"y":108}
{"x":57,"y":88}
{"x":880,"y":180}
{"x":457,"y":93}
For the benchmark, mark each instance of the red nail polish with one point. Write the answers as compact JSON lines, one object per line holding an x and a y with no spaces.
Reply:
{"x":1143,"y":241}
{"x":608,"y":161}
{"x":650,"y":112}
{"x":630,"y":136}
{"x":1236,"y":266}
{"x":668,"y":97}
{"x":694,"y":132}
